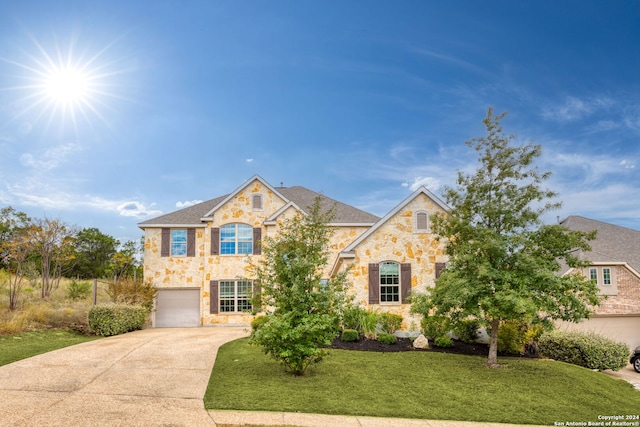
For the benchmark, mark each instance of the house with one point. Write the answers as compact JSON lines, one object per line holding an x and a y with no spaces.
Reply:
{"x":615,"y":268}
{"x":198,"y":256}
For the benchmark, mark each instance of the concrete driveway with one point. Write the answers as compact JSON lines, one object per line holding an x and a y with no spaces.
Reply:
{"x":153,"y":377}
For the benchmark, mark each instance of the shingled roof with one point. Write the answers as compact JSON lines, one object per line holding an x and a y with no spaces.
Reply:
{"x":612,"y":244}
{"x":301,"y":196}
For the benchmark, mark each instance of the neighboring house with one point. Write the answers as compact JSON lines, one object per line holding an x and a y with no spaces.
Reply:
{"x":615,"y":267}
{"x":197,"y":256}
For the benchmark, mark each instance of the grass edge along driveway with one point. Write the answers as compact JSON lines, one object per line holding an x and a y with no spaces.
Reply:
{"x":420,"y":385}
{"x":27,"y":344}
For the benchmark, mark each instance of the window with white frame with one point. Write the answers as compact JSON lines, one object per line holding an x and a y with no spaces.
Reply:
{"x":422,"y":221}
{"x":389,"y":282}
{"x":235,"y":296}
{"x":236,"y":239}
{"x":179,"y":242}
{"x":593,"y":275}
{"x":606,"y":276}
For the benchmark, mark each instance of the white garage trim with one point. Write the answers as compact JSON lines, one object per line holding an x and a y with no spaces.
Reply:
{"x":177,"y":308}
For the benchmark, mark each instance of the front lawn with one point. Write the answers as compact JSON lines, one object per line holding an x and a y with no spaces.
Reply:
{"x":420,"y":385}
{"x":27,"y":344}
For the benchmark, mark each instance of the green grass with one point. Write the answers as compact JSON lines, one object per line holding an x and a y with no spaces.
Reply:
{"x":417,"y":385}
{"x":27,"y":344}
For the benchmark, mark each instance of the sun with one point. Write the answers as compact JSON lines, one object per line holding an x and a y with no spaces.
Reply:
{"x":67,"y":86}
{"x":64,"y":85}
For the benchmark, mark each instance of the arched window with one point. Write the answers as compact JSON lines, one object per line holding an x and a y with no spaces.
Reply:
{"x":236,"y":239}
{"x":389,"y":282}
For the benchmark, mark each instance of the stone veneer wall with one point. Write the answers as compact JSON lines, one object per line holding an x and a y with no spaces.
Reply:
{"x":397,"y":241}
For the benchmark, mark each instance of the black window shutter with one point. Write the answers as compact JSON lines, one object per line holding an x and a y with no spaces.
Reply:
{"x":215,"y":241}
{"x":191,"y":242}
{"x":374,"y":284}
{"x":405,"y":282}
{"x":213,"y":294}
{"x":440,"y":266}
{"x":257,"y":240}
{"x":165,"y":244}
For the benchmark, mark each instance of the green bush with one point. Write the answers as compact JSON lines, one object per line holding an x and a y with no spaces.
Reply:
{"x":512,"y":336}
{"x":114,"y":319}
{"x":387,"y":338}
{"x":349,"y":335}
{"x":389,"y":322}
{"x":363,"y":321}
{"x":78,"y":290}
{"x":467,"y":330}
{"x":435,"y":326}
{"x":589,"y":350}
{"x":258,"y":321}
{"x":443,"y":341}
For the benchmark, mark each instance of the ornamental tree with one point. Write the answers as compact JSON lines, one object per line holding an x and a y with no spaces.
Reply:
{"x":503,"y":261}
{"x":302,"y":308}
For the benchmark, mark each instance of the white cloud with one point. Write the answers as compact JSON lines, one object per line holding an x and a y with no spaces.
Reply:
{"x":432,"y":184}
{"x":187,"y":203}
{"x":136,"y":209}
{"x":574,"y":108}
{"x":249,"y":160}
{"x":50,"y":159}
{"x":627,"y":164}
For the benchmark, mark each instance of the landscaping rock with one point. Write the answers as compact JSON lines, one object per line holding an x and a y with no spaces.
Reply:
{"x":421,"y":342}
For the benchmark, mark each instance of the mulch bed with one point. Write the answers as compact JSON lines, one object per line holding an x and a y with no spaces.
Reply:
{"x":406,"y":344}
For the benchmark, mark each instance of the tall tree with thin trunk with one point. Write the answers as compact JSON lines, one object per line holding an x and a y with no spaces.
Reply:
{"x":503,"y":261}
{"x":52,"y":240}
{"x":16,"y":251}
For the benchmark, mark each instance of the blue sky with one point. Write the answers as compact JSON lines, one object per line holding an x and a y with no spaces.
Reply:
{"x":361,"y":100}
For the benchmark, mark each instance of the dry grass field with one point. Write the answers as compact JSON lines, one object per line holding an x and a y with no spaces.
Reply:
{"x":58,"y":311}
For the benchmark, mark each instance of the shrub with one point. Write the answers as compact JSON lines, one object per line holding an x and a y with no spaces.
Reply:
{"x":389,"y":322}
{"x":467,"y":330}
{"x":443,"y":341}
{"x":78,"y":290}
{"x":435,"y":326}
{"x":512,"y":336}
{"x":589,"y":350}
{"x":363,"y":321}
{"x":369,"y":323}
{"x":350,"y":335}
{"x":114,"y":319}
{"x":387,"y":338}
{"x":132,"y":292}
{"x":258,"y":321}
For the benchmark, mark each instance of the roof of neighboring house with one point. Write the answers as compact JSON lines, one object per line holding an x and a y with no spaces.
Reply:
{"x":300,"y":196}
{"x":613,"y":243}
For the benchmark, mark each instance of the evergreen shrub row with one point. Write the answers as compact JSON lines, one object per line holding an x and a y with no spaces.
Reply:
{"x":589,"y":350}
{"x":114,"y":319}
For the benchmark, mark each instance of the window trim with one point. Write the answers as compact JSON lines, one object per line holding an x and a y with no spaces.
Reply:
{"x":394,"y":294}
{"x":235,"y":298}
{"x":236,"y":239}
{"x":606,"y":271}
{"x":173,"y":243}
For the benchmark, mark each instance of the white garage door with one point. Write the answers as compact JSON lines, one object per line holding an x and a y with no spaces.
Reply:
{"x":623,"y":328}
{"x":177,"y":308}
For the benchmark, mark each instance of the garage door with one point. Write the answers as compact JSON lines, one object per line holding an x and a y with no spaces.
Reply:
{"x":177,"y":308}
{"x":623,"y":328}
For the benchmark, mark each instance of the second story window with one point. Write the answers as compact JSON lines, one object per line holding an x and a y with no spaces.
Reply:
{"x":178,"y":242}
{"x":422,"y":222}
{"x":236,"y":239}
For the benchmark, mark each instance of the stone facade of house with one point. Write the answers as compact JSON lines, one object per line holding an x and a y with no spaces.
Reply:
{"x":402,"y":239}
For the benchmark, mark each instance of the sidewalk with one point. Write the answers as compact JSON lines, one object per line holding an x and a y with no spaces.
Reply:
{"x":228,"y":419}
